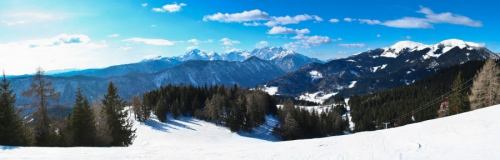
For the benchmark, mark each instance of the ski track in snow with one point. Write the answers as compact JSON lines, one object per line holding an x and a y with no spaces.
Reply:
{"x":472,"y":135}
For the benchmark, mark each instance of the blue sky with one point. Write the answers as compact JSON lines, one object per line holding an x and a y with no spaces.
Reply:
{"x":63,"y":34}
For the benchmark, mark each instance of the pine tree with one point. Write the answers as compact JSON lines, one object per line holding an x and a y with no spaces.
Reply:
{"x":42,"y":90}
{"x":458,"y":100}
{"x":484,"y":91}
{"x":290,"y":129}
{"x":13,"y":131}
{"x":161,"y":109}
{"x":118,"y":121}
{"x":82,"y":122}
{"x":176,"y":109}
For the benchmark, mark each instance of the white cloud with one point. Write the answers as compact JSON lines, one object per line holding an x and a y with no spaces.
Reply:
{"x":192,"y":47}
{"x":170,"y":8}
{"x":430,"y":18}
{"x":233,"y":50}
{"x":195,"y":41}
{"x":228,"y":42}
{"x":261,"y":44}
{"x":353,"y":45}
{"x":144,"y":4}
{"x":284,"y":30}
{"x":347,"y":19}
{"x":378,"y":35}
{"x":153,"y":25}
{"x":19,"y":18}
{"x":245,"y":16}
{"x":307,"y":41}
{"x":11,"y":23}
{"x":333,"y":20}
{"x":408,"y":22}
{"x":113,"y":35}
{"x":291,"y":20}
{"x":408,"y":37}
{"x":158,"y":42}
{"x":291,"y":46}
{"x":252,"y":24}
{"x":448,"y":17}
{"x":369,"y":21}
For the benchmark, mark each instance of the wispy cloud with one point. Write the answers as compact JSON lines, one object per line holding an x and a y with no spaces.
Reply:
{"x":192,"y":47}
{"x":245,"y":16}
{"x":113,"y":35}
{"x":291,"y":20}
{"x":158,"y":42}
{"x":144,"y":4}
{"x":170,"y":8}
{"x":18,"y":18}
{"x":333,"y":20}
{"x":427,"y":22}
{"x":304,"y":42}
{"x":229,"y":42}
{"x":261,"y":44}
{"x":284,"y":30}
{"x":352,"y":45}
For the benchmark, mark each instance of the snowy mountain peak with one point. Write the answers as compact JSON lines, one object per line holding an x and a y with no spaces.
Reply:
{"x":459,"y":43}
{"x":394,"y":50}
{"x":407,"y":44}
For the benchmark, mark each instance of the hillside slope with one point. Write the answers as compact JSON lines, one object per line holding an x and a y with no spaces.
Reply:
{"x":472,"y":135}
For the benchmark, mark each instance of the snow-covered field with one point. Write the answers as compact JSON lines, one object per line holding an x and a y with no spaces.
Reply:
{"x":472,"y":135}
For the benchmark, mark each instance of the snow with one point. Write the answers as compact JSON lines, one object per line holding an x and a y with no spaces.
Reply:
{"x":270,"y":90}
{"x":317,"y":97}
{"x":315,"y":74}
{"x":446,"y":45}
{"x":383,"y":66}
{"x":472,"y":135}
{"x":352,"y":84}
{"x":394,"y":50}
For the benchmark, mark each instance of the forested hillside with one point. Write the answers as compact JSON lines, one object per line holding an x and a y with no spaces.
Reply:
{"x":369,"y":112}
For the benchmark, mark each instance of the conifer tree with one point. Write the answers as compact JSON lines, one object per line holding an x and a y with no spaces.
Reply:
{"x":13,"y":131}
{"x":161,"y":109}
{"x":82,"y":123}
{"x":458,"y":100}
{"x":43,"y":92}
{"x":290,"y":129}
{"x":484,"y":91}
{"x":176,"y":109}
{"x":118,"y":120}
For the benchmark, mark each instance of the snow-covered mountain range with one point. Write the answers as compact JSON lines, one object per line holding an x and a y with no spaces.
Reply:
{"x":285,"y":59}
{"x":380,"y":69}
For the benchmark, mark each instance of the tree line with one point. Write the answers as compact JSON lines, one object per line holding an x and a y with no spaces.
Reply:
{"x":96,"y":123}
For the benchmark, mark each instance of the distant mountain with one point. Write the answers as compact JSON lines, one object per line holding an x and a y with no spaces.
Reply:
{"x":401,"y":64}
{"x":285,"y":59}
{"x":145,"y":66}
{"x":196,"y":54}
{"x":248,"y":73}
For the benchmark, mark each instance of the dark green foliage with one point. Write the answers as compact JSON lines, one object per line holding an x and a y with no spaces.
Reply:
{"x":161,"y":109}
{"x":370,"y":111}
{"x":13,"y":131}
{"x":235,"y":107}
{"x":118,"y":121}
{"x":301,"y":123}
{"x":82,"y":122}
{"x":458,"y":101}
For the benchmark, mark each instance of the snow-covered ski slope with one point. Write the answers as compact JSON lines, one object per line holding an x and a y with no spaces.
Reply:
{"x":472,"y":135}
